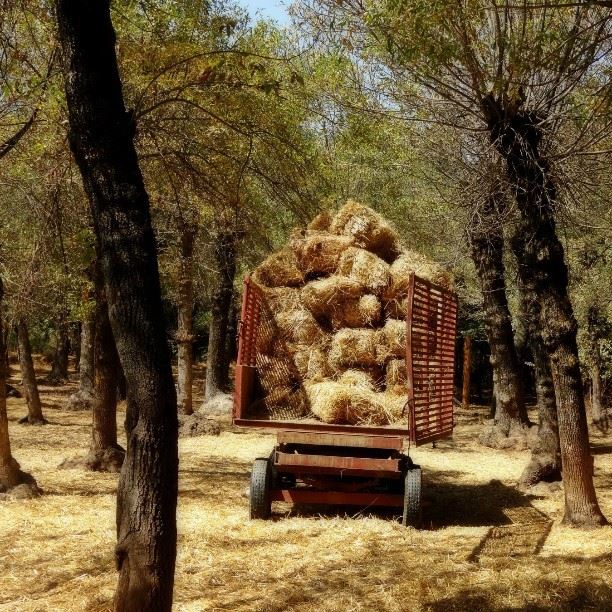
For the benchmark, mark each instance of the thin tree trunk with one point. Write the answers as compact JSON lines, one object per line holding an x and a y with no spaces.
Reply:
{"x":9,"y":468}
{"x":217,"y":363}
{"x":516,"y":133}
{"x":83,"y":398}
{"x":184,"y":335}
{"x":467,"y":372}
{"x":28,"y":377}
{"x":487,"y":247}
{"x":101,"y":137}
{"x":105,"y":455}
{"x":59,"y":367}
{"x":597,"y":412}
{"x":10,"y":472}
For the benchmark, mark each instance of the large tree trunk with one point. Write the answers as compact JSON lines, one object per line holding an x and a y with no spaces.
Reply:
{"x":83,"y":398}
{"x":59,"y":367}
{"x":184,"y":334}
{"x":10,"y":473}
{"x":217,"y":363}
{"x":516,"y":133}
{"x":105,"y":455}
{"x":101,"y":137}
{"x":545,"y":462}
{"x":487,"y":247}
{"x":28,"y":377}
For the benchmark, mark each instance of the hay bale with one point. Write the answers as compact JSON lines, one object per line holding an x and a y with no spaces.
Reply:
{"x":340,"y":403}
{"x":394,"y":337}
{"x":421,"y":265}
{"x":366,"y":268}
{"x":396,"y":380}
{"x":365,"y":311}
{"x":283,"y":403}
{"x":311,"y":363}
{"x":298,"y":325}
{"x":321,"y":222}
{"x":395,"y":407}
{"x":355,"y":347}
{"x":280,"y":269}
{"x":396,"y":308}
{"x":267,"y":335}
{"x":368,"y":378}
{"x":324,"y":296}
{"x":277,"y":371}
{"x":319,"y":252}
{"x":368,"y":229}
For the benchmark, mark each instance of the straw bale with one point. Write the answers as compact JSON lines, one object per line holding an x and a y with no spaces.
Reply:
{"x":396,"y":376}
{"x":282,"y":404}
{"x":341,"y":403}
{"x":366,"y":268}
{"x":321,"y":222}
{"x":368,"y":378}
{"x":325,"y":295}
{"x":395,"y":405}
{"x":396,"y":308}
{"x":368,"y":229}
{"x":311,"y":363}
{"x":335,"y":402}
{"x":319,"y":252}
{"x":355,"y":347}
{"x":276,"y":372}
{"x":278,"y":299}
{"x":365,"y":311}
{"x":298,"y":325}
{"x":266,"y":339}
{"x":421,"y":265}
{"x":394,"y":335}
{"x":280,"y":269}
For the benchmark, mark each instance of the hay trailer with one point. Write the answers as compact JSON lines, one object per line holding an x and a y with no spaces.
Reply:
{"x":366,"y":466}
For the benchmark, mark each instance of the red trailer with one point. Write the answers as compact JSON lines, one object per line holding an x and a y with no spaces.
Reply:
{"x":320,"y":463}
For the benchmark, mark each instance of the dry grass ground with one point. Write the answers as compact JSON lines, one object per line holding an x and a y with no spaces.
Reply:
{"x":487,"y":547}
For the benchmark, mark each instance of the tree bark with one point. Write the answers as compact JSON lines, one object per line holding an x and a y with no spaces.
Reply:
{"x":487,"y":246}
{"x":10,"y":472}
{"x":101,"y":138}
{"x":467,"y":372}
{"x":217,"y":363}
{"x":598,"y":415}
{"x":184,"y":335}
{"x":59,"y":367}
{"x":545,"y":461}
{"x":516,"y":133}
{"x":105,"y":455}
{"x":83,"y":398}
{"x":28,"y":377}
{"x":9,"y":468}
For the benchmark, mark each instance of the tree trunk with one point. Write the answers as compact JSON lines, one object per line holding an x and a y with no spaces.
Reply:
{"x":545,"y":462}
{"x":105,"y":455}
{"x":467,"y":372}
{"x":184,"y":335}
{"x":217,"y":363}
{"x":28,"y":377}
{"x":598,"y":415}
{"x":101,"y":138}
{"x":487,"y":247}
{"x":59,"y":368}
{"x":10,"y":473}
{"x":83,"y":398}
{"x":9,"y":468}
{"x":516,"y":133}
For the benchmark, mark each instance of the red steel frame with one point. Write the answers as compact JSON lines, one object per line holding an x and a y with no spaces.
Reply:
{"x":430,"y":354}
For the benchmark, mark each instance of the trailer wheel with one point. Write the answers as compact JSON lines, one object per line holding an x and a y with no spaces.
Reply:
{"x":412,"y":498}
{"x":261,"y":481}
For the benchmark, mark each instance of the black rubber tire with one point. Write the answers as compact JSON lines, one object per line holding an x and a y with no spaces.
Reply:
{"x":261,"y":481}
{"x":412,"y":498}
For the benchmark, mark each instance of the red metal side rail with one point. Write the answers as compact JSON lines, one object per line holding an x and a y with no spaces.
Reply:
{"x":430,"y":358}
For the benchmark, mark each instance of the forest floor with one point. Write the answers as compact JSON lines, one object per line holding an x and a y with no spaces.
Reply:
{"x":486,"y":546}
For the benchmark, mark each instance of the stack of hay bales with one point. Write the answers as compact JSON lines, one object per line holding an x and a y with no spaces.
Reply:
{"x":332,"y":338}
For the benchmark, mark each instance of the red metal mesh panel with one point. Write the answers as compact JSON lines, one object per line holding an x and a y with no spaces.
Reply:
{"x":430,"y":358}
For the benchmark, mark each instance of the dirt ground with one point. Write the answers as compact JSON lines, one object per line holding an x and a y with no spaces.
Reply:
{"x":486,"y":546}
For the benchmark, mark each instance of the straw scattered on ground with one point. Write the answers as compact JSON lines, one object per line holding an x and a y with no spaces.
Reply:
{"x":57,"y":551}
